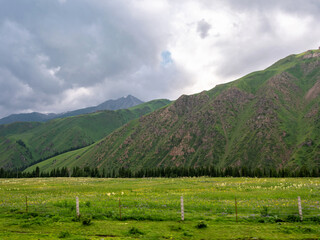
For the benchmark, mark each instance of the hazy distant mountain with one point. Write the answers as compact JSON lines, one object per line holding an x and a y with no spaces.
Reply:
{"x":27,"y":117}
{"x":23,"y":143}
{"x":121,"y":103}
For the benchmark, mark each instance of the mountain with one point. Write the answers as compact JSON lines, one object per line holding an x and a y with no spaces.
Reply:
{"x":27,"y":117}
{"x":267,"y":119}
{"x":121,"y":103}
{"x":24,"y":143}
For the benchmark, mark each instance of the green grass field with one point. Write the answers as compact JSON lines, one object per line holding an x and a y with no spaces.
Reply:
{"x":150,"y":208}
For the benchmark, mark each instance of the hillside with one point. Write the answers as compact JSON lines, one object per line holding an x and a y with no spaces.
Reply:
{"x":121,"y":103}
{"x":266,"y":119}
{"x":24,"y":143}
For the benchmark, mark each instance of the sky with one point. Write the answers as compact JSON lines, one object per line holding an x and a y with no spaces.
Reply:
{"x":61,"y":55}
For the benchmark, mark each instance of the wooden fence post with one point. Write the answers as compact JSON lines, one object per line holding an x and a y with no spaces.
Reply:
{"x":26,"y":204}
{"x":236,"y":207}
{"x":120,"y":209}
{"x":77,"y":207}
{"x":182,"y":209}
{"x":300,"y":209}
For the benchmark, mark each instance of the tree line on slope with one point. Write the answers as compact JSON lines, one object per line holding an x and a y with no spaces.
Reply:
{"x":166,"y":172}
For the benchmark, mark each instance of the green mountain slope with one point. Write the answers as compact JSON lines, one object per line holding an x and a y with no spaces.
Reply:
{"x":268,"y":118}
{"x":24,"y":143}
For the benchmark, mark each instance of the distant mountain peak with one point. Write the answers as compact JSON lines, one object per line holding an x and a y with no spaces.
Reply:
{"x":131,"y":97}
{"x":120,"y":103}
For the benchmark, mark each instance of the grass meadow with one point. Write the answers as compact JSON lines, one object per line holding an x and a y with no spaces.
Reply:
{"x":267,"y":208}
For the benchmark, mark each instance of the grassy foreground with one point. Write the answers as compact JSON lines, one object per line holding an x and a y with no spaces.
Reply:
{"x":150,"y":208}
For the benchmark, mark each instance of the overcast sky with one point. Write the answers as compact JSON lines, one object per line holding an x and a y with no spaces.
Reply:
{"x":60,"y":55}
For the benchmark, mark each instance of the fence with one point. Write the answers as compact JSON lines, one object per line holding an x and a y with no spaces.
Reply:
{"x":175,"y":208}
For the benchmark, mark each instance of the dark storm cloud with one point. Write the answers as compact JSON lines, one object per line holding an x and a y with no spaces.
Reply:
{"x":50,"y":47}
{"x":203,"y":28}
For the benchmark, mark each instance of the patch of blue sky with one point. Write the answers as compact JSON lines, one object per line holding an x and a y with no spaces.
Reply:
{"x":166,"y":58}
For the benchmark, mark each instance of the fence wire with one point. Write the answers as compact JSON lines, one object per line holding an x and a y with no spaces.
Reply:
{"x":161,"y":208}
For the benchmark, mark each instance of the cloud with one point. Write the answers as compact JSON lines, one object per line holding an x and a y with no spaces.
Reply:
{"x":264,"y":32}
{"x":59,"y":49}
{"x":247,"y":36}
{"x":203,"y":28}
{"x":58,"y":55}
